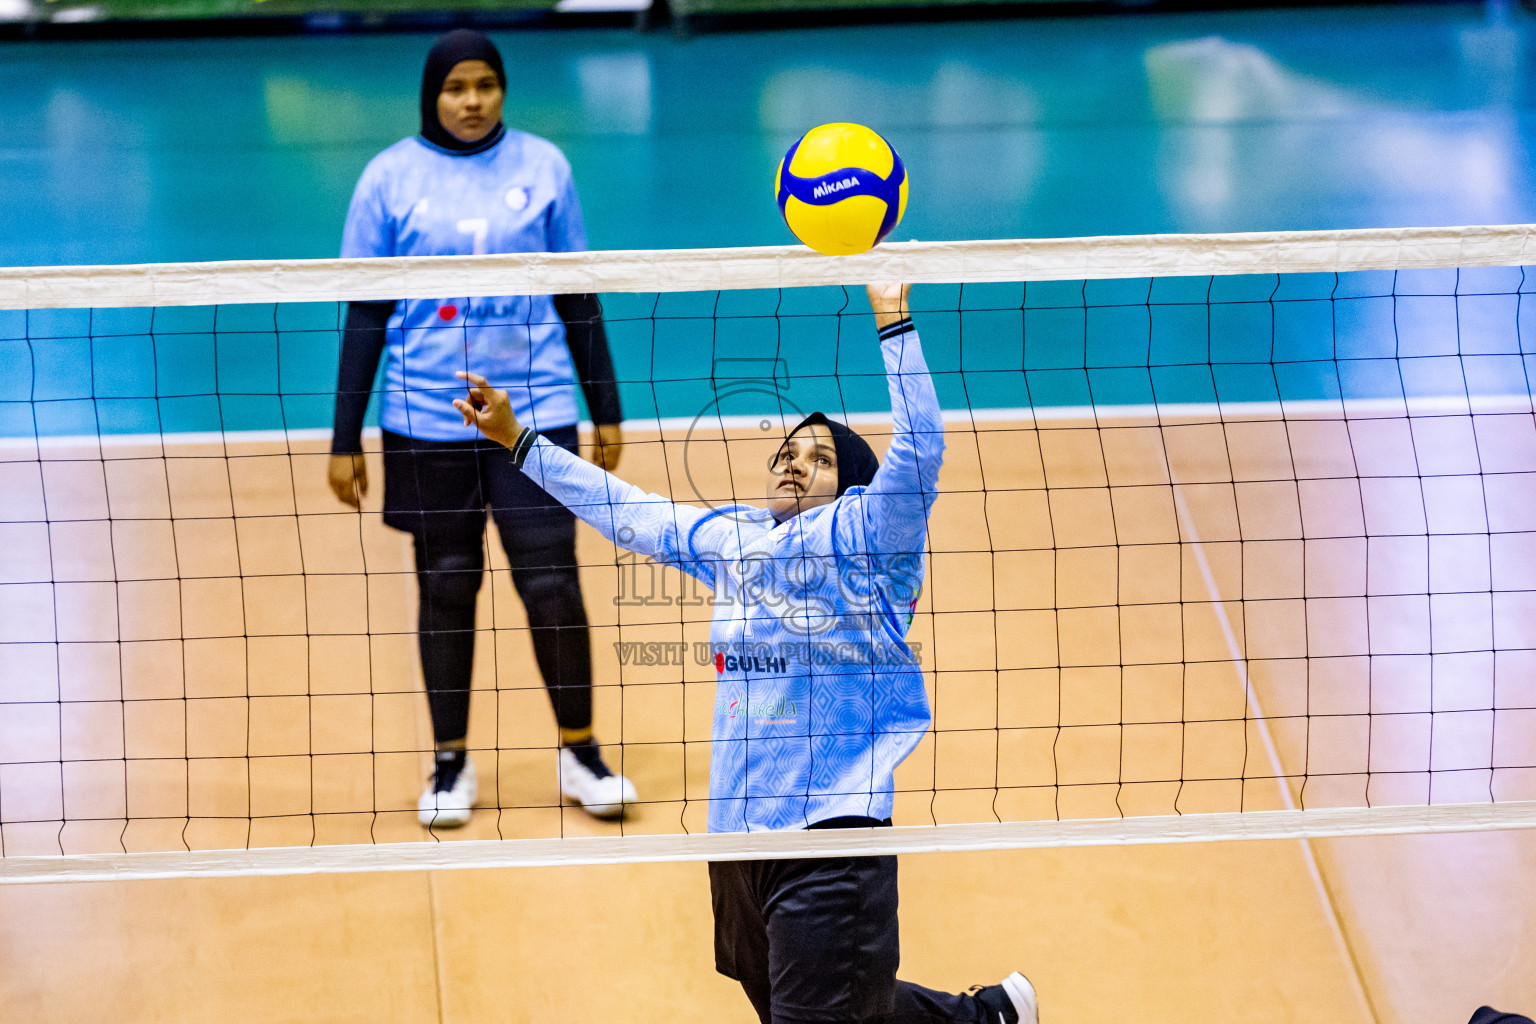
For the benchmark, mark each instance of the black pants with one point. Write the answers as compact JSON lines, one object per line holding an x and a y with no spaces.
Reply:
{"x":815,"y":940}
{"x":1488,"y":1015}
{"x":438,"y":492}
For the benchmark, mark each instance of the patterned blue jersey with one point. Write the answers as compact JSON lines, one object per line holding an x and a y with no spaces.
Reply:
{"x":819,"y":697}
{"x":417,"y":200}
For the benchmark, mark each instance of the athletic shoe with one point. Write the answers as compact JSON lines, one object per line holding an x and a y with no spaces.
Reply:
{"x":450,"y":794}
{"x":587,"y":780}
{"x":1012,"y":1002}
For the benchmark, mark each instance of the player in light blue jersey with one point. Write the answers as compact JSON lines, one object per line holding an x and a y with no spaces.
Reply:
{"x":819,"y":696}
{"x":469,"y":185}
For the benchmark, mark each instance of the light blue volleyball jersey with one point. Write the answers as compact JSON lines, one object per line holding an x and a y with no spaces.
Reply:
{"x":417,"y":200}
{"x":819,"y":696}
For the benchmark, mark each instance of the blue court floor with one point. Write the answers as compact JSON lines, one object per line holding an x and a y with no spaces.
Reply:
{"x":198,"y":149}
{"x":194,"y":149}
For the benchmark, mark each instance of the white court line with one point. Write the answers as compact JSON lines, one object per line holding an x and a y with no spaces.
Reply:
{"x":1170,"y":414}
{"x":1240,"y":664}
{"x":647,"y":849}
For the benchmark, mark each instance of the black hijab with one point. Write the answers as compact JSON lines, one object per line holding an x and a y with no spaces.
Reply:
{"x":856,"y":463}
{"x":459,"y":45}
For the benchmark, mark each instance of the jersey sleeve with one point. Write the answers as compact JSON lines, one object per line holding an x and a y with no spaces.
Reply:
{"x":889,"y":518}
{"x":369,"y":230}
{"x":692,"y":539}
{"x":567,"y":232}
{"x":362,"y":343}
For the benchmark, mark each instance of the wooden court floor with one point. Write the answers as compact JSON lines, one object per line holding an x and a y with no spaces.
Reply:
{"x":201,"y":651}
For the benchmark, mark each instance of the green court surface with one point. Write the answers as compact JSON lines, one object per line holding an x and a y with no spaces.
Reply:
{"x":193,"y":149}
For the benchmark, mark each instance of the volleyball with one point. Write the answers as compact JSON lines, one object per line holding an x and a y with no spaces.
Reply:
{"x":841,"y":189}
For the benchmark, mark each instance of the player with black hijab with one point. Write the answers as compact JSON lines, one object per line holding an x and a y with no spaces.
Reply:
{"x":469,"y":185}
{"x":818,"y":696}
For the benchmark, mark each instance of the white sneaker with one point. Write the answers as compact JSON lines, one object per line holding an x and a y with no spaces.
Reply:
{"x":449,"y":808}
{"x":1022,"y":994}
{"x":1011,"y":1001}
{"x":600,"y":795}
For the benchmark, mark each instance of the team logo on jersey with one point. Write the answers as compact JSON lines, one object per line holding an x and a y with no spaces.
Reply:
{"x":517,"y":198}
{"x":448,"y":312}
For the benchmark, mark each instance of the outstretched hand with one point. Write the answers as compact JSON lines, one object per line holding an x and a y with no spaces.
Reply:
{"x":488,"y":408}
{"x":889,"y":301}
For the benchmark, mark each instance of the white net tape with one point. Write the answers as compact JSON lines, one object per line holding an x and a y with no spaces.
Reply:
{"x":1323,"y":823}
{"x":782,"y":266}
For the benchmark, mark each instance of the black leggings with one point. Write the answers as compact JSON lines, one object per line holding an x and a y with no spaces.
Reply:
{"x":545,"y":578}
{"x":439,"y":492}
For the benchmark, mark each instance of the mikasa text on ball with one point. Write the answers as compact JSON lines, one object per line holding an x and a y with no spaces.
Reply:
{"x":841,"y":189}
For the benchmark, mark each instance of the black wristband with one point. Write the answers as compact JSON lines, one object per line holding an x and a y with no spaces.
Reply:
{"x":522,"y":445}
{"x":901,"y":326}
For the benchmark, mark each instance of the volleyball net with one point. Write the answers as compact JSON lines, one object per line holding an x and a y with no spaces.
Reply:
{"x":1234,"y":539}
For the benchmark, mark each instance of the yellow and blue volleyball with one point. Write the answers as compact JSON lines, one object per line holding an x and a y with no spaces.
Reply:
{"x":841,"y":189}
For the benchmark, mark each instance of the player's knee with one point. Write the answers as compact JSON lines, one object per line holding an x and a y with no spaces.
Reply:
{"x":450,"y":580}
{"x":551,"y":595}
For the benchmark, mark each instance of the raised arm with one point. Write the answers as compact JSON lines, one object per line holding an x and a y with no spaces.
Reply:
{"x":693,"y":539}
{"x":892,"y":513}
